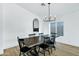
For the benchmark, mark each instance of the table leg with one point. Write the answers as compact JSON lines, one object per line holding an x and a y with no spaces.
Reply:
{"x":35,"y":51}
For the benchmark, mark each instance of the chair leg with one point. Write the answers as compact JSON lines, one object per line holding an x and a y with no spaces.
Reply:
{"x":54,"y":47}
{"x":44,"y":52}
{"x":35,"y":51}
{"x":39,"y":50}
{"x":51,"y":49}
{"x":27,"y":54}
{"x":31,"y":52}
{"x":54,"y":50}
{"x":24,"y":54}
{"x":20,"y":54}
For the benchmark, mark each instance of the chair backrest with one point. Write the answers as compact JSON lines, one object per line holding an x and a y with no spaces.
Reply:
{"x":46,"y":39}
{"x":21,"y":42}
{"x":32,"y":34}
{"x":41,"y":33}
{"x":53,"y":37}
{"x":50,"y":40}
{"x":53,"y":40}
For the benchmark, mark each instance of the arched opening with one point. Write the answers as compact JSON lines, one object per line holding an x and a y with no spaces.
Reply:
{"x":35,"y":25}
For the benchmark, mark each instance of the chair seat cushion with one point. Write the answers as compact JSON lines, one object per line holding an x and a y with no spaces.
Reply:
{"x":50,"y":42}
{"x":44,"y":46}
{"x":24,"y":49}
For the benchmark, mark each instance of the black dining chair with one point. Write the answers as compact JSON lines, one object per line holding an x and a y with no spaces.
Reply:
{"x":23,"y":48}
{"x":51,"y":42}
{"x":44,"y":46}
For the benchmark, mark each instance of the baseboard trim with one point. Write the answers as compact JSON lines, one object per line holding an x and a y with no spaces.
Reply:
{"x":68,"y":44}
{"x":1,"y":52}
{"x":11,"y":46}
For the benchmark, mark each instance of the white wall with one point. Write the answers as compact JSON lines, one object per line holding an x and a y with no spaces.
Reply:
{"x":18,"y":21}
{"x":1,"y":30}
{"x":71,"y":29}
{"x":45,"y":27}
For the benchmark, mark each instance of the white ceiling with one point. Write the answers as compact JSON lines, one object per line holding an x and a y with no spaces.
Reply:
{"x":58,"y":9}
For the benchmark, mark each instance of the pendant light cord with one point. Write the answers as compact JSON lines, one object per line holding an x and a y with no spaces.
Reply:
{"x":49,"y":11}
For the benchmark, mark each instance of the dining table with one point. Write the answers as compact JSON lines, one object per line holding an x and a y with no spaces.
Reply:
{"x":39,"y":40}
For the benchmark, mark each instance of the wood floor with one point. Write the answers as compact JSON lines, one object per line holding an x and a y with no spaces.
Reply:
{"x":61,"y":50}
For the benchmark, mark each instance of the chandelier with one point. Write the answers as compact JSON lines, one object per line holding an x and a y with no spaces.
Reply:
{"x":49,"y":17}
